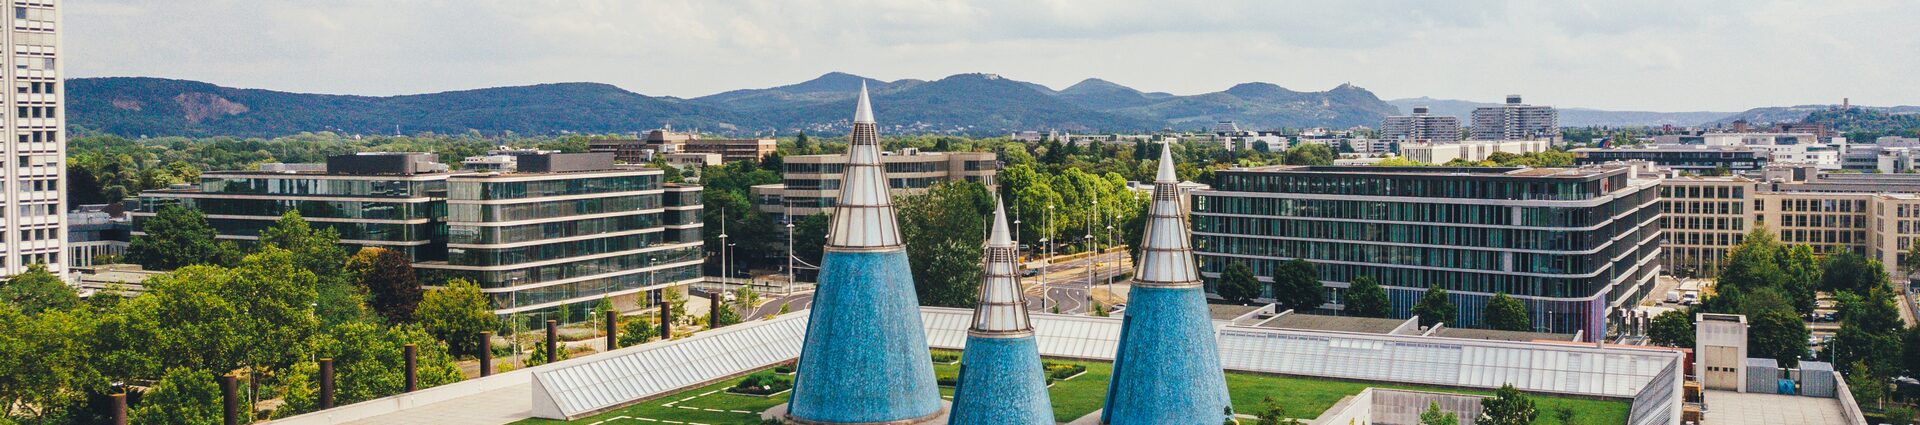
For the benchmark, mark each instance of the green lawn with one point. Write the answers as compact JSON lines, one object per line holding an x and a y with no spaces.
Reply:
{"x":1073,"y":398}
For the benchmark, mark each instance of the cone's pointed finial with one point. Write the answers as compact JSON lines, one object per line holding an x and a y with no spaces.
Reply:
{"x":863,"y":113}
{"x":1000,"y":236}
{"x":1166,"y":174}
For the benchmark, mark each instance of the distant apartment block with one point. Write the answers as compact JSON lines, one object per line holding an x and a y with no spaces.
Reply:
{"x":1781,"y":148}
{"x":1471,"y":150}
{"x":34,"y":229}
{"x":1699,"y":159}
{"x":812,"y":184}
{"x":559,"y":231}
{"x":1876,"y":215}
{"x":1515,"y":121}
{"x":1421,"y":127}
{"x":665,"y":141}
{"x":1577,"y":245}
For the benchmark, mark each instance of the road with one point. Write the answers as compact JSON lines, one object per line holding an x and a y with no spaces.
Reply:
{"x":1065,"y":284}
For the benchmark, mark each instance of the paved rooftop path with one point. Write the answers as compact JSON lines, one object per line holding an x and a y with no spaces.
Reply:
{"x":499,"y":406}
{"x":1726,"y":407}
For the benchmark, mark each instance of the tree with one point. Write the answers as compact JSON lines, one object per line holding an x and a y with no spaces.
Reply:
{"x":1673,"y":328}
{"x":185,"y":396}
{"x":1847,"y":271}
{"x":37,"y":290}
{"x":273,"y":299}
{"x":1508,"y":406}
{"x":318,"y":251}
{"x":46,"y":365}
{"x":1912,"y":260}
{"x":390,"y":282}
{"x":1365,"y":298}
{"x":1237,"y":284}
{"x":369,"y":363}
{"x":178,"y":237}
{"x":1803,"y":273}
{"x":810,"y":239}
{"x":1778,"y":335}
{"x":943,"y":229}
{"x":1910,"y":351}
{"x":1272,"y":413}
{"x":1436,"y":306}
{"x":637,"y":331}
{"x":1870,"y":332}
{"x":1434,"y":416}
{"x":1507,"y":314}
{"x":1753,"y":263}
{"x":1310,"y":154}
{"x":1868,"y":389}
{"x":1296,"y":286}
{"x":456,"y":314}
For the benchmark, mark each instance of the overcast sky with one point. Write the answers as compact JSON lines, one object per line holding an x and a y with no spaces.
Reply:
{"x":1616,"y":54}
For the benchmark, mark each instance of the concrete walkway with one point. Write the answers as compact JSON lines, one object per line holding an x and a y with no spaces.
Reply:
{"x":501,"y":406}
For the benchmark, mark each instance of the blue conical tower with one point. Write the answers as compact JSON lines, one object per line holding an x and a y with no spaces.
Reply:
{"x":1167,"y":370}
{"x":1001,"y":381}
{"x":865,"y":358}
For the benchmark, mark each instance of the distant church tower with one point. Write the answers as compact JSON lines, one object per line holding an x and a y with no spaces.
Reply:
{"x":865,"y":358}
{"x":1001,"y":380}
{"x":1167,"y":369}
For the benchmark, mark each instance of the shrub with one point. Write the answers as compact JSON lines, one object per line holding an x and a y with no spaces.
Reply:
{"x":945,"y":357}
{"x":784,"y":369}
{"x":947,"y":380}
{"x":763,"y":383}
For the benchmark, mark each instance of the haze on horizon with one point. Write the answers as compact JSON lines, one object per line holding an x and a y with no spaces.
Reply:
{"x":1621,"y":55}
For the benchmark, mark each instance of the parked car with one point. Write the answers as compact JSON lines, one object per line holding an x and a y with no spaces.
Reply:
{"x":1030,"y":273}
{"x":1819,"y":317}
{"x":1673,"y":297}
{"x":1689,"y":299}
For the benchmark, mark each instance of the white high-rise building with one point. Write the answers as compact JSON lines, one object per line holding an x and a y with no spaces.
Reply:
{"x":36,"y":141}
{"x":1421,"y":127}
{"x":1515,"y":121}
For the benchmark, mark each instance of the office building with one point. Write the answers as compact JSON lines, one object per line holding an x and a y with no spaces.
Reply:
{"x":1421,"y":127}
{"x":1577,"y":245}
{"x":35,"y":204}
{"x":1875,"y":215}
{"x":812,"y":182}
{"x":1878,"y":158}
{"x":1515,"y":121}
{"x":1699,"y":159}
{"x":385,"y":200}
{"x":94,"y":233}
{"x":560,"y":231}
{"x":568,"y":230}
{"x":1471,"y":150}
{"x":665,"y":141}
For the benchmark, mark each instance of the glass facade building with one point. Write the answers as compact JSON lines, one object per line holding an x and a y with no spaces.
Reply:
{"x":1573,"y":244}
{"x":535,"y":241}
{"x":540,"y":242}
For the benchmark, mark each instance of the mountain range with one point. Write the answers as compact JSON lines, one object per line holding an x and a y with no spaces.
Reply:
{"x":980,"y":104}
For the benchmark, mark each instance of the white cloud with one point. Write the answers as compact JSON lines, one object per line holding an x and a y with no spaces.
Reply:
{"x":1634,"y":54}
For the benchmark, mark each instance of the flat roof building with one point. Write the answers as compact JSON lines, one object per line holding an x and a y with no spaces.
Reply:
{"x":1693,"y":158}
{"x":561,"y":231}
{"x":1471,"y":150}
{"x":665,"y":141}
{"x":1577,"y":245}
{"x":812,"y":182}
{"x":1421,"y":127}
{"x":1875,"y":215}
{"x":1515,"y":121}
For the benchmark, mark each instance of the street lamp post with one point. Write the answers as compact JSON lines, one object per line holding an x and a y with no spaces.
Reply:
{"x":789,"y":289}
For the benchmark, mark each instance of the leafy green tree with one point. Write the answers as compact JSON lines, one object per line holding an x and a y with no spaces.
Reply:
{"x":456,"y":314}
{"x":1803,"y":273}
{"x":636,"y":331}
{"x":273,"y":298}
{"x":38,"y":290}
{"x":1310,"y":154}
{"x":46,"y":369}
{"x":1912,"y":264}
{"x":1508,"y":406}
{"x":1296,"y":285}
{"x":317,"y":250}
{"x":1910,"y":351}
{"x":297,"y":389}
{"x":1237,"y":283}
{"x":810,"y":238}
{"x":1673,"y":328}
{"x":369,"y":363}
{"x":1753,"y":263}
{"x":1366,"y":298}
{"x":186,"y":320}
{"x":943,"y":229}
{"x":389,"y":279}
{"x":1847,"y":271}
{"x":1778,"y":335}
{"x":178,"y":237}
{"x":1436,"y":306}
{"x":184,"y":397}
{"x":1434,"y":416}
{"x":1507,"y":314}
{"x":1868,"y":389}
{"x":1870,"y":333}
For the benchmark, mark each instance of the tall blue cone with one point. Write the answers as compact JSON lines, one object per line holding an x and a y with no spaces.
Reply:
{"x":1001,"y":380}
{"x":865,"y":357}
{"x":1167,"y":369}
